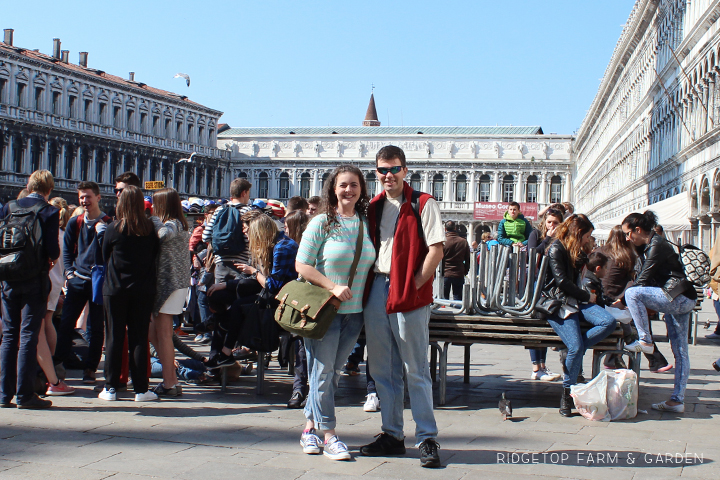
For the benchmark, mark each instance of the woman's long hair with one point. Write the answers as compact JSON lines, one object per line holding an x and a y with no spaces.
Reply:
{"x":550,"y":212}
{"x":296,"y":223}
{"x":621,"y":251}
{"x":130,"y":212}
{"x":570,"y":234}
{"x":65,"y":213}
{"x":262,"y":232}
{"x":168,"y":206}
{"x":330,"y":200}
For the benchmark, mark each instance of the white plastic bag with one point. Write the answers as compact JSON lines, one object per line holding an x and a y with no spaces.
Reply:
{"x":612,"y":395}
{"x":622,"y":316}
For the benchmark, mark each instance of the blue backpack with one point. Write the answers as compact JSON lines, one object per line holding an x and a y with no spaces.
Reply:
{"x":227,"y":233}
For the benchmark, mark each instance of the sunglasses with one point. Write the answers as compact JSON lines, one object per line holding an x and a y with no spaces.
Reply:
{"x":118,"y":191}
{"x":386,"y":170}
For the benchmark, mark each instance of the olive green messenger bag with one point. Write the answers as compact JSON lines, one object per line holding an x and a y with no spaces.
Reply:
{"x":308,"y":310}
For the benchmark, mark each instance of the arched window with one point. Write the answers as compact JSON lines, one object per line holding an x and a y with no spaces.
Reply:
{"x":263,"y":185}
{"x":461,"y":188}
{"x":242,"y":175}
{"x":371,"y":183}
{"x":324,"y":179}
{"x":484,"y":188}
{"x":437,"y":187}
{"x":531,"y":191}
{"x":416,"y":181}
{"x":284,"y":186}
{"x":556,"y":189}
{"x":508,"y":188}
{"x":305,"y":185}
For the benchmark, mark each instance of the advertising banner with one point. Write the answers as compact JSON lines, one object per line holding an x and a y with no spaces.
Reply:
{"x":495,"y":210}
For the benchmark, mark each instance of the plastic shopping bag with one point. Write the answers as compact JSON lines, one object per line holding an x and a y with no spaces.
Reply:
{"x":622,"y":394}
{"x":612,"y":395}
{"x":591,"y":398}
{"x":622,"y":316}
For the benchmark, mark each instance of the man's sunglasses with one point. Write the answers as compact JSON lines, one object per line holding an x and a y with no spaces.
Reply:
{"x":118,"y":191}
{"x":386,"y":170}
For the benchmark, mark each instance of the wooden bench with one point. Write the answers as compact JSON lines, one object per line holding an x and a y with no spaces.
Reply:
{"x":466,"y":330}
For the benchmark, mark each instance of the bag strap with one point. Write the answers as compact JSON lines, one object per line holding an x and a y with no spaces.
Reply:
{"x":358,"y":251}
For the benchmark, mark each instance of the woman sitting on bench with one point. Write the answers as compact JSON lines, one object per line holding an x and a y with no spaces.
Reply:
{"x":566,"y":257}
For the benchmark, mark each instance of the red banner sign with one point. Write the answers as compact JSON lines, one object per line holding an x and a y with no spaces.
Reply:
{"x":496,"y":210}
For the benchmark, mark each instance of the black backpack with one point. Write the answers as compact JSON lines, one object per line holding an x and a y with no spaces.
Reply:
{"x":227,"y":232}
{"x":22,"y":251}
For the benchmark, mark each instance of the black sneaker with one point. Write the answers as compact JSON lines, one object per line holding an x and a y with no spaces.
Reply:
{"x":384,"y":445}
{"x":429,"y":456}
{"x":296,"y":400}
{"x":220,"y":360}
{"x":161,"y":391}
{"x":35,"y":402}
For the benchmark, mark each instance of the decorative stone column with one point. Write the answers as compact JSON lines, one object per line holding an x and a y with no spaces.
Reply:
{"x":425,"y":176}
{"x":27,"y":155}
{"x":543,"y":194}
{"x":315,"y":182}
{"x":472,"y":188}
{"x":519,"y":188}
{"x":496,"y":192}
{"x":567,"y":190}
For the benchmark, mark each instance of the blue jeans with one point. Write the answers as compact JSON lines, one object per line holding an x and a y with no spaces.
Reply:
{"x":79,"y":292}
{"x":23,"y":309}
{"x":538,"y":355}
{"x":677,"y":318}
{"x":189,"y":368}
{"x":578,"y":341}
{"x":399,"y":342}
{"x":325,"y":359}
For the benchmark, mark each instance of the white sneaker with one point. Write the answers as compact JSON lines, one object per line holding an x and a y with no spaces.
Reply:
{"x":336,"y":450}
{"x":148,"y":396}
{"x":311,"y":443}
{"x":372,"y":404}
{"x":548,"y":376}
{"x":108,"y":394}
{"x":713,"y":335}
{"x":664,"y":407}
{"x":638,"y":347}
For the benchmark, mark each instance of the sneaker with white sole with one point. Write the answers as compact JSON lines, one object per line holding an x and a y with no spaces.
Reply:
{"x":638,"y":347}
{"x":108,"y":394}
{"x":664,"y":407}
{"x":61,"y":388}
{"x":148,"y":396}
{"x":335,"y":449}
{"x":372,"y":404}
{"x":311,"y":443}
{"x":548,"y":376}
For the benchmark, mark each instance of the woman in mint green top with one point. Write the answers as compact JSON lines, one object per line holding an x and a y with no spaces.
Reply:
{"x":324,"y":259}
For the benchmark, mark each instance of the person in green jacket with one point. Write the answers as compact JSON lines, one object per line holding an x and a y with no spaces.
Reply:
{"x":513,"y":229}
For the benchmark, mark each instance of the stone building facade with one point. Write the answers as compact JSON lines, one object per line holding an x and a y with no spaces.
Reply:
{"x":652,"y":130}
{"x":84,"y":124}
{"x":458,"y":165}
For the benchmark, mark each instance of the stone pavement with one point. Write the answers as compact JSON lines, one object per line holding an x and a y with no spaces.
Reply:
{"x":208,"y":435}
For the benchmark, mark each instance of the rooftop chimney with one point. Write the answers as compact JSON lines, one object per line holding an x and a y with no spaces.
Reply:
{"x":83,"y":59}
{"x":9,"y":36}
{"x":56,"y":48}
{"x":132,"y":76}
{"x":65,"y":56}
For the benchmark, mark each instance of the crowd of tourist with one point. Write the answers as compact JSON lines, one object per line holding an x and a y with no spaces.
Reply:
{"x":120,"y":281}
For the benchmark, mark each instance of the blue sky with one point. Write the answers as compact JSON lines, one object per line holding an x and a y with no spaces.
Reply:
{"x":312,"y":63}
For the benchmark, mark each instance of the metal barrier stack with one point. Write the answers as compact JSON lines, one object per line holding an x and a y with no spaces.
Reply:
{"x":504,"y":281}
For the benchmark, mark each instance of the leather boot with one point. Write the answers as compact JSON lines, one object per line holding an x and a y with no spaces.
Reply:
{"x":566,"y":403}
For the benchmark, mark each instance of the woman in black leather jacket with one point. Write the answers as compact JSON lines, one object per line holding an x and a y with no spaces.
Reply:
{"x":663,"y":287}
{"x":566,"y":258}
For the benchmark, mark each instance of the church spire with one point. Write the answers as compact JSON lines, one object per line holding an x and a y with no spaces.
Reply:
{"x":371,"y":118}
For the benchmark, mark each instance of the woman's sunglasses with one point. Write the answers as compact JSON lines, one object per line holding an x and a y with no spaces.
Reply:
{"x":386,"y":170}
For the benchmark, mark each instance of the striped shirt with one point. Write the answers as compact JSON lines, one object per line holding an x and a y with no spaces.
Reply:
{"x":332,"y":255}
{"x":244,"y":257}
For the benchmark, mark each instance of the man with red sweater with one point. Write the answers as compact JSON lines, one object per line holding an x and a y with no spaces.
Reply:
{"x":407,"y":230}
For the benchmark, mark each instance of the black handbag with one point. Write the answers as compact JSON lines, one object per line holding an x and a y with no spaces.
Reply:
{"x":547,"y":306}
{"x":259,"y":330}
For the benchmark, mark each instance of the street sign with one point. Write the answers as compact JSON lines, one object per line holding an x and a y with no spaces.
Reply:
{"x":155,"y":185}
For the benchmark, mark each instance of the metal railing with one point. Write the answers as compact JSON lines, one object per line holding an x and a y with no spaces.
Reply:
{"x":502,"y":281}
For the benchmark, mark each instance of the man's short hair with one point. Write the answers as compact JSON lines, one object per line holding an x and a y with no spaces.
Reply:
{"x":315,"y":200}
{"x":129,"y":178}
{"x":89,"y":186}
{"x":390,"y":152}
{"x":238,"y":187}
{"x":450,"y":226}
{"x":41,"y":181}
{"x":595,"y":260}
{"x":514,"y":204}
{"x":297,"y":203}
